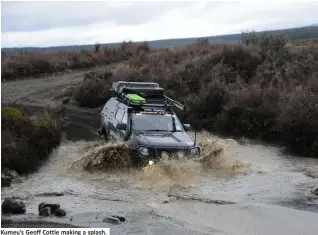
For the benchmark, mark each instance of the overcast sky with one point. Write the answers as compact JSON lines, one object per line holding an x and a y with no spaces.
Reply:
{"x":69,"y":23}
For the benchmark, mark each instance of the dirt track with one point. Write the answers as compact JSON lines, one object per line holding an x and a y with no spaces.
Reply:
{"x":270,"y":197}
{"x":38,"y":93}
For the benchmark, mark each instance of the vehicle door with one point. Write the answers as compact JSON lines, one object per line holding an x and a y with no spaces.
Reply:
{"x":108,"y":113}
{"x":118,"y":118}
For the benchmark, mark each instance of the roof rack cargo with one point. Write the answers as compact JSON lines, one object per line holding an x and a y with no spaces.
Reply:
{"x":120,"y":84}
{"x":144,"y":94}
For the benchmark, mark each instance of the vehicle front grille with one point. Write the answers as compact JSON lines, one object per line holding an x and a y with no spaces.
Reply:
{"x":169,"y":151}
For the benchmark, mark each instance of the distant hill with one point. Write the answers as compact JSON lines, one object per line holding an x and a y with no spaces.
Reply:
{"x":308,"y":32}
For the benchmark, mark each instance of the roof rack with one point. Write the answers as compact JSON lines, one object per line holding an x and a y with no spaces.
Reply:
{"x":143,"y":95}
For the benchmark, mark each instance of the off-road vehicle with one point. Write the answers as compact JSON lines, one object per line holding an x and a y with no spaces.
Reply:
{"x":140,"y":113}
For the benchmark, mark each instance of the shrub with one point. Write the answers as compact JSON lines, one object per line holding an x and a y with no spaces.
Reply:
{"x":95,"y":89}
{"x":10,"y":113}
{"x":250,"y":112}
{"x":262,"y":90}
{"x":91,"y":93}
{"x":26,"y":141}
{"x":143,"y":48}
{"x":298,"y":121}
{"x":103,"y":74}
{"x":271,"y":46}
{"x":29,"y":63}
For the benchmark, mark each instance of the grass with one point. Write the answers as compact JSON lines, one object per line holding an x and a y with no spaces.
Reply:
{"x":27,"y":140}
{"x":263,"y":88}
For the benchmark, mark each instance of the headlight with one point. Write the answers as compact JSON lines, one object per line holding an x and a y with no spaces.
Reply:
{"x":143,"y":150}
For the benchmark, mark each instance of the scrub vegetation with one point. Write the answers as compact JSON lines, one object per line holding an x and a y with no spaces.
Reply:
{"x":27,"y":140}
{"x":31,"y":64}
{"x":264,"y":87}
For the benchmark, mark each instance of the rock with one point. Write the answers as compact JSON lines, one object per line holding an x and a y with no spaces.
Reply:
{"x":50,"y":194}
{"x":5,"y":181}
{"x":311,"y":174}
{"x":315,"y":191}
{"x":112,"y":220}
{"x":10,"y":173}
{"x":46,"y":211}
{"x":60,"y":213}
{"x":11,"y":206}
{"x":165,"y":202}
{"x":121,"y":218}
{"x":7,"y":176}
{"x":53,"y":207}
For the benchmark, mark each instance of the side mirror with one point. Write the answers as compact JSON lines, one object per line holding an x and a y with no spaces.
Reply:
{"x":187,"y":127}
{"x":121,"y":126}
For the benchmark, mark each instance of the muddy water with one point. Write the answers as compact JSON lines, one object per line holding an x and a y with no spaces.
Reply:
{"x":237,"y":189}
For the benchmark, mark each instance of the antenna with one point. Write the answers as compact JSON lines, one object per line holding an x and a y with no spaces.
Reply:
{"x":175,"y":103}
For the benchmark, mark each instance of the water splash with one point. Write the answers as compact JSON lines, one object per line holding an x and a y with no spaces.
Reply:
{"x":112,"y":162}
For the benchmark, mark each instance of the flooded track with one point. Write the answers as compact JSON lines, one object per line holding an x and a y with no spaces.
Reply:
{"x":239,"y":189}
{"x":246,"y":189}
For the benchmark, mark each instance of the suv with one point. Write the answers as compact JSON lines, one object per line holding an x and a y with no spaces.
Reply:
{"x":141,"y":113}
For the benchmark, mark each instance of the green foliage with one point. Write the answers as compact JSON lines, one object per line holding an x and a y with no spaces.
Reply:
{"x":11,"y":113}
{"x":271,"y":46}
{"x":43,"y":123}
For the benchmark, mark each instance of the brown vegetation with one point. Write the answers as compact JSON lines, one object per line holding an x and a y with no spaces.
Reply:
{"x":28,"y":64}
{"x":27,"y":140}
{"x":262,"y":88}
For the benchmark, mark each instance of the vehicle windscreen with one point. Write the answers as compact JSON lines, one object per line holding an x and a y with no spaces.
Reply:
{"x":154,"y":122}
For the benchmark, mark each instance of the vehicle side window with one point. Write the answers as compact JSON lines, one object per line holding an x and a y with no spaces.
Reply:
{"x":110,"y":107}
{"x":178,"y":124}
{"x":125,"y":117}
{"x":119,"y":114}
